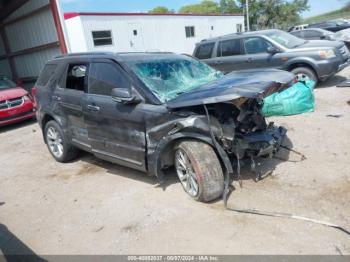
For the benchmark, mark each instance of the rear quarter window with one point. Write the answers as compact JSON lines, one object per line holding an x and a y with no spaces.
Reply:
{"x":204,"y":51}
{"x":46,"y":74}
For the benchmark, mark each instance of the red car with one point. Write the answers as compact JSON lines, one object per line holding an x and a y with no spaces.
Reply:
{"x":16,"y":104}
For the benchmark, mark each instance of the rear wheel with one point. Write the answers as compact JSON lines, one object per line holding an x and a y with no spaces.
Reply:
{"x":199,"y":170}
{"x":58,"y":144}
{"x":305,"y":74}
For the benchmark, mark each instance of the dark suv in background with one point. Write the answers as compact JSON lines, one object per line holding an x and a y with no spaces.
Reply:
{"x":314,"y":59}
{"x":151,"y":111}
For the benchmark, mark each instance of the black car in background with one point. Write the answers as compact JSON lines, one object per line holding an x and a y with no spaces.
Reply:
{"x":152,"y":111}
{"x":313,"y":34}
{"x":333,"y":25}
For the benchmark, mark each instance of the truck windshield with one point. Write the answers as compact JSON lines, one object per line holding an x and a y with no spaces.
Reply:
{"x":285,"y":39}
{"x":169,"y":77}
{"x":6,"y":83}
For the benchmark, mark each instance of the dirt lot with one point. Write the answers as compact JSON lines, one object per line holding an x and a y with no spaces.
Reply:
{"x":93,"y":207}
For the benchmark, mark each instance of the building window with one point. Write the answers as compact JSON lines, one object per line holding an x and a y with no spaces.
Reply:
{"x":102,"y":38}
{"x":135,"y":32}
{"x":212,"y":27}
{"x":189,"y":31}
{"x":238,"y":28}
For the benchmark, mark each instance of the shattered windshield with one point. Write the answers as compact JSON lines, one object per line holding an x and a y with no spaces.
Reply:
{"x":169,"y":77}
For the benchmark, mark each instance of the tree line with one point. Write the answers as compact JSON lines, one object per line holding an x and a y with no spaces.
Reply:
{"x":262,"y":13}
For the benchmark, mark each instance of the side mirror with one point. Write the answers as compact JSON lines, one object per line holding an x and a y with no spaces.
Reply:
{"x":122,"y":95}
{"x":273,"y":50}
{"x":323,"y":37}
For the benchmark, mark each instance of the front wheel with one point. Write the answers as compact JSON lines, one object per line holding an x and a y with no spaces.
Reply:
{"x":304,"y":74}
{"x":199,"y":170}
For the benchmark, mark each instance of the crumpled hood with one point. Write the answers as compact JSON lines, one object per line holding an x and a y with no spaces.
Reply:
{"x":245,"y":83}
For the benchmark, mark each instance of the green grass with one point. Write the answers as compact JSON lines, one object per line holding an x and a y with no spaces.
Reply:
{"x":340,"y":13}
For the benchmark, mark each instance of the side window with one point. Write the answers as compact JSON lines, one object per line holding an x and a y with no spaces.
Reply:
{"x":104,"y":77}
{"x":256,"y":45}
{"x":229,"y":47}
{"x":204,"y":51}
{"x":46,"y":74}
{"x":297,"y":33}
{"x":312,"y":33}
{"x":77,"y":77}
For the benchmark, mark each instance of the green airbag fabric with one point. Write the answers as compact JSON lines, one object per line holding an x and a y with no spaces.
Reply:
{"x":297,"y":99}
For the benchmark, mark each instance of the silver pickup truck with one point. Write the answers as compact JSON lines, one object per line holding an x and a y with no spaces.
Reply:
{"x":313,"y":59}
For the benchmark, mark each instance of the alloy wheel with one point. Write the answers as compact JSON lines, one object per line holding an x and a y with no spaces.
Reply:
{"x":54,"y":141}
{"x":185,"y":172}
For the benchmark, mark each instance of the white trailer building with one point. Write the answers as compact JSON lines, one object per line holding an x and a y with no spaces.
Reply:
{"x":137,"y":32}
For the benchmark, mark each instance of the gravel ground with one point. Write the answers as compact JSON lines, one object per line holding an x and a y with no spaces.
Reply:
{"x":90,"y":206}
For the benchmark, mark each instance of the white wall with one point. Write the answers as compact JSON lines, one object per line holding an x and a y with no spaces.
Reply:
{"x":155,"y":33}
{"x":75,"y":35}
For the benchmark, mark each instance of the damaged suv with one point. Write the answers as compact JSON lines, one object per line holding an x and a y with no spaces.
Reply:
{"x":152,"y":111}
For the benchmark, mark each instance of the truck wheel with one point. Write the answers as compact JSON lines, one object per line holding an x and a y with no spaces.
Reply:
{"x":199,"y":170}
{"x":304,"y":74}
{"x":58,"y":144}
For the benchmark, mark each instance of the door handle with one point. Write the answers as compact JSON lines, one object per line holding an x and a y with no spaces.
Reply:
{"x":56,"y":98}
{"x":93,"y":108}
{"x":249,"y":60}
{"x":218,"y":62}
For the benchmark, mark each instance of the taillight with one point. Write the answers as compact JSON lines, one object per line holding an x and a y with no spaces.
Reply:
{"x":33,"y":92}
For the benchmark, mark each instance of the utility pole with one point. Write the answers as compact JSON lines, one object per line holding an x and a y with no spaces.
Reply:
{"x":247,"y":14}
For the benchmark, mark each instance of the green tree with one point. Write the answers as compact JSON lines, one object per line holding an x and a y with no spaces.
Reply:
{"x":160,"y":10}
{"x":229,"y":7}
{"x":204,"y":7}
{"x":274,"y":13}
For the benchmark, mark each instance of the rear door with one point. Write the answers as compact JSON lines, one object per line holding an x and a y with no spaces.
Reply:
{"x":228,"y":56}
{"x":116,"y":130}
{"x":256,"y":55}
{"x":67,"y":101}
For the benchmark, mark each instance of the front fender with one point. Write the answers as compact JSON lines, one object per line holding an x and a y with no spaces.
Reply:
{"x":307,"y":61}
{"x":154,"y":158}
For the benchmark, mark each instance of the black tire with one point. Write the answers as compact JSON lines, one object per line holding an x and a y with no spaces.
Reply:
{"x":69,"y":152}
{"x":308,"y":72}
{"x":206,"y":167}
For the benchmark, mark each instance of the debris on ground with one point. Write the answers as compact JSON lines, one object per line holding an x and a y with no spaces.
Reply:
{"x":335,"y":115}
{"x":291,"y":216}
{"x":345,"y":83}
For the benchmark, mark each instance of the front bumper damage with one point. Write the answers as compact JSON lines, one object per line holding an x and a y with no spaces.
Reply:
{"x":261,"y":143}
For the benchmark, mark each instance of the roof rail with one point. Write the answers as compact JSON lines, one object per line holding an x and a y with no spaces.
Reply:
{"x":84,"y":54}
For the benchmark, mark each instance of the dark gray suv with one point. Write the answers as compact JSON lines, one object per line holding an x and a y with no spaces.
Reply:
{"x":151,"y":111}
{"x":314,"y":59}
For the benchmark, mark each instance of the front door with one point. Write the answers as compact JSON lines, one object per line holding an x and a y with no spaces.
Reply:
{"x":136,"y":43}
{"x":256,"y":55}
{"x":116,"y":131}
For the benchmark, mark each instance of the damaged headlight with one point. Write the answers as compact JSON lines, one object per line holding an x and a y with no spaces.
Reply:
{"x":326,"y":54}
